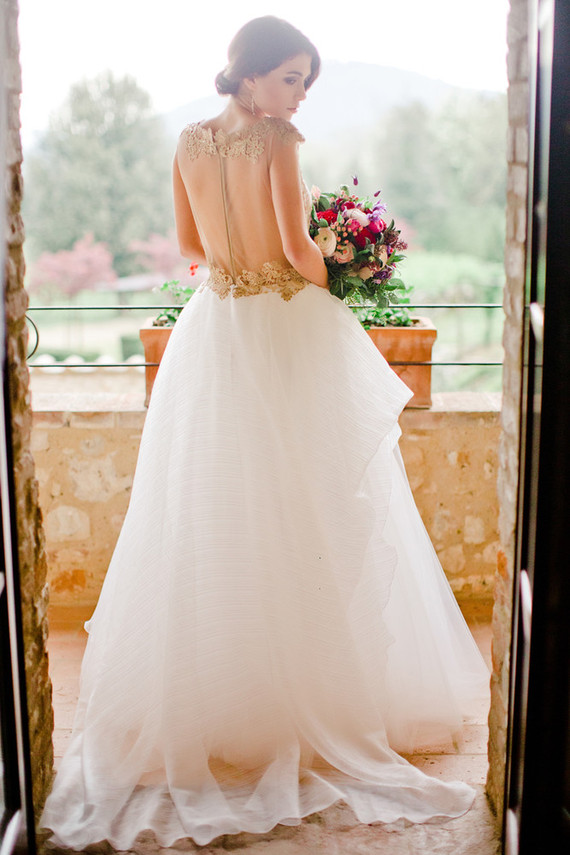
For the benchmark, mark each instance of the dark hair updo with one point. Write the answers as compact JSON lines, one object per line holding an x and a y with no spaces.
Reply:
{"x":260,"y":46}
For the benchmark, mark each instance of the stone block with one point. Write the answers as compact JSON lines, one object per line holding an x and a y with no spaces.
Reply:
{"x":66,"y":523}
{"x":515,"y":261}
{"x":96,"y":480}
{"x":134,"y":419}
{"x":517,"y":23}
{"x":510,"y":145}
{"x":453,"y":559}
{"x":50,"y":420}
{"x":521,"y":220}
{"x":517,"y":181}
{"x":517,"y":100}
{"x":92,"y":421}
{"x":39,"y":440}
{"x":521,"y":145}
{"x":93,"y":445}
{"x":474,"y":529}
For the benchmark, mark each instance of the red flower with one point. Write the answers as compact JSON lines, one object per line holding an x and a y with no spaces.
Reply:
{"x":360,"y":238}
{"x":330,"y":215}
{"x":377,"y":226}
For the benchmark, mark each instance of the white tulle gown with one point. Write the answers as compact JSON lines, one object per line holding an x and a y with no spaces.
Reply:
{"x":274,"y":623}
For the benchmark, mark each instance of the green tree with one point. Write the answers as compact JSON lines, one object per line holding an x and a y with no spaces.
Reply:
{"x":445,"y":173}
{"x":101,"y":168}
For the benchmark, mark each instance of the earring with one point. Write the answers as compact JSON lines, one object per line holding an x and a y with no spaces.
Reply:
{"x":252,"y":105}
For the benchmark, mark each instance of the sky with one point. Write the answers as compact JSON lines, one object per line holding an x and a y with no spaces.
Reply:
{"x":174,"y":48}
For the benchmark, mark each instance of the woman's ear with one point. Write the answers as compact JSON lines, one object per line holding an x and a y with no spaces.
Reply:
{"x":250,"y":84}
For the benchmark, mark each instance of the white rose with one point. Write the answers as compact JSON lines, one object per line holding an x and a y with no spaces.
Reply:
{"x":365,"y":273}
{"x":326,"y":241}
{"x":358,"y":215}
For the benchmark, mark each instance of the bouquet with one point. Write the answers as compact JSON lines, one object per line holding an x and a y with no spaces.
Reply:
{"x":361,"y":250}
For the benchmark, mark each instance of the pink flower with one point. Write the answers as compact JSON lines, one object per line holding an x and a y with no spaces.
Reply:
{"x":344,"y":253}
{"x":353,"y":226}
{"x":377,"y":226}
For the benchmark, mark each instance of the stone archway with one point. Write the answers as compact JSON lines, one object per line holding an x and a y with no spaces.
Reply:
{"x":517,"y":157}
{"x":31,"y":553}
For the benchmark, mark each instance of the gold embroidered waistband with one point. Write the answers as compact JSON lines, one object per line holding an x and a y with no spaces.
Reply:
{"x":273,"y":276}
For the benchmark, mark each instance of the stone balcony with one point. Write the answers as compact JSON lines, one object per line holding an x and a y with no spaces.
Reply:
{"x":85,"y":448}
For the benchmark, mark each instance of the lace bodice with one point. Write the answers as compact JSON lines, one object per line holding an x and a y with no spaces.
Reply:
{"x":248,"y":143}
{"x":227,"y":179}
{"x":273,"y":276}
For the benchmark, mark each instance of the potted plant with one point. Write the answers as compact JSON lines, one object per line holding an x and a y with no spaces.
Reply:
{"x":155,"y":334}
{"x":401,"y":338}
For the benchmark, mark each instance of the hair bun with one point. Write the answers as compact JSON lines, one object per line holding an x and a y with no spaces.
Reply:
{"x":223,"y":85}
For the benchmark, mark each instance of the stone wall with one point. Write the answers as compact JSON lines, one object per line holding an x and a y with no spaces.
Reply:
{"x":86,"y":461}
{"x":517,"y":154}
{"x":31,"y":553}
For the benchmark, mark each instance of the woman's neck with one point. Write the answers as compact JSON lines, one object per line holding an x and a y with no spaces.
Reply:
{"x":237,"y":115}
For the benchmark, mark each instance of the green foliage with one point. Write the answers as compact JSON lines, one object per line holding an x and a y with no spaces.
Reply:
{"x":181,"y":294}
{"x":371,"y":315}
{"x":442,"y":172}
{"x":102,"y":167}
{"x":446,"y":277}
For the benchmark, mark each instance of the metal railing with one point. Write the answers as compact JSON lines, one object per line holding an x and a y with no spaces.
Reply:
{"x":159,"y":308}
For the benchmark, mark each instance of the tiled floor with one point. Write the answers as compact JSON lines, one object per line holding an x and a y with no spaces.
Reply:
{"x":333,"y":831}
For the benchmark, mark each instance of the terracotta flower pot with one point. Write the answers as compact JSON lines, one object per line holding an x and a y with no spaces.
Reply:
{"x":154,"y":341}
{"x":409,"y":344}
{"x":396,"y":344}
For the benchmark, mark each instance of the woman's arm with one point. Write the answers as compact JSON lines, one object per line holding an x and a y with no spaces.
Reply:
{"x":186,"y":230}
{"x":300,"y":250}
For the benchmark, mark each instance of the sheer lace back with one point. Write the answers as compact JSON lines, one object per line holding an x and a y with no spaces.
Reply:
{"x":249,"y":142}
{"x":227,"y":179}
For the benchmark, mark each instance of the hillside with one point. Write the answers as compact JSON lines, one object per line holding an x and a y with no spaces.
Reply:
{"x":347,"y":97}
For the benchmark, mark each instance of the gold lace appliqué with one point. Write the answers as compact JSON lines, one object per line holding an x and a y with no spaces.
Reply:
{"x":248,"y":143}
{"x":273,"y":276}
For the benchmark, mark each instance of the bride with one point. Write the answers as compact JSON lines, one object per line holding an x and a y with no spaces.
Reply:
{"x":274,"y":624}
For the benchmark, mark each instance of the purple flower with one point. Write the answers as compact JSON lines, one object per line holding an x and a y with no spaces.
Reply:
{"x":383,"y":274}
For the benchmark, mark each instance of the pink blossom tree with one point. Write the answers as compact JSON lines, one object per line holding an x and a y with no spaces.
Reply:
{"x":160,"y":254}
{"x":71,"y":271}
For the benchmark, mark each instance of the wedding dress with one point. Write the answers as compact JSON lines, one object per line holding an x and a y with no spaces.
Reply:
{"x":274,"y":623}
